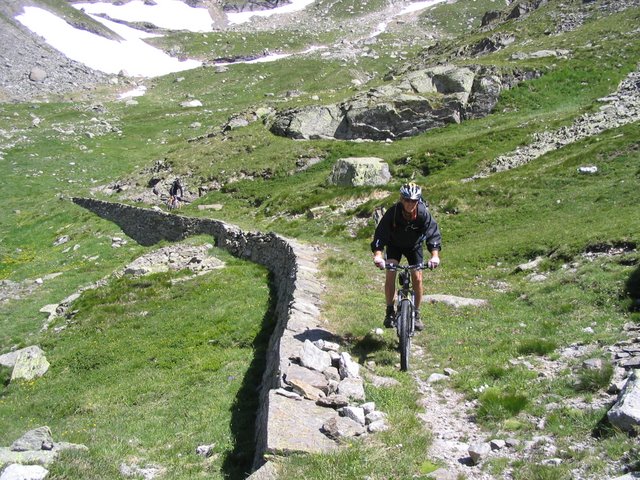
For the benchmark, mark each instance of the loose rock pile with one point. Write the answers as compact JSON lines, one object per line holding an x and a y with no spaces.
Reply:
{"x":332,"y":379}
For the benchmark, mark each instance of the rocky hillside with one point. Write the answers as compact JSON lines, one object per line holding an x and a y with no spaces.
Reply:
{"x":521,"y":120}
{"x":29,"y":68}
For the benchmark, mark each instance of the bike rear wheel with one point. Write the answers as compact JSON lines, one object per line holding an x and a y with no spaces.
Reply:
{"x":404,"y":334}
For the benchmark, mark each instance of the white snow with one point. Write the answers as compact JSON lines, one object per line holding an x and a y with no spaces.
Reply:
{"x":294,"y":6}
{"x":132,"y":55}
{"x":411,"y":8}
{"x":169,"y":14}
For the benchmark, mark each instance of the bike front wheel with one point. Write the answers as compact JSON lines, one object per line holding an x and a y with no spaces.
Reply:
{"x":404,"y":334}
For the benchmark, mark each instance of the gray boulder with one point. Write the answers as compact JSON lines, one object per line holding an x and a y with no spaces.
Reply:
{"x":419,"y":101}
{"x":30,"y":363}
{"x":625,"y":413}
{"x":37,"y":439}
{"x":359,"y":171}
{"x":9,"y":359}
{"x":24,"y":472}
{"x":307,"y":123}
{"x":37,"y":74}
{"x":35,"y":446}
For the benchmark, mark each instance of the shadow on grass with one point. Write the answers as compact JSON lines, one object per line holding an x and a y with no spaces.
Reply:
{"x":238,"y":463}
{"x":372,"y":345}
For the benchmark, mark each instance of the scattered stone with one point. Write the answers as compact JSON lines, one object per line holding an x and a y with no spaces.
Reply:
{"x":536,"y":278}
{"x":306,"y":390}
{"x":437,"y":377}
{"x":444,"y":474}
{"x":339,"y":427}
{"x":593,"y":364}
{"x":479,"y":451}
{"x":354,"y":413}
{"x":374,"y":416}
{"x":61,"y":240}
{"x":24,"y":472}
{"x":377,"y":426}
{"x":314,"y":358}
{"x":9,"y":359}
{"x":288,"y":394}
{"x":532,"y":265}
{"x":117,"y":242}
{"x":352,"y":388}
{"x":191,"y":104}
{"x":512,"y":442}
{"x":358,"y":172}
{"x":205,"y":450}
{"x":33,"y":440}
{"x":37,"y":74}
{"x":368,"y":407}
{"x":327,"y":346}
{"x":333,"y":401}
{"x":347,"y":367}
{"x":497,"y":444}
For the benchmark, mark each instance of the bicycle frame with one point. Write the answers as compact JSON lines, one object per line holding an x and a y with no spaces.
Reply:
{"x":405,"y":326}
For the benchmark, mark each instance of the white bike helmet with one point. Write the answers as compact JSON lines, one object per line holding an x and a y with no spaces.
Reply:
{"x":411,"y":191}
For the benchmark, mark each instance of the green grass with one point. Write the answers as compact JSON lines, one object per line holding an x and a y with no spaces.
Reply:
{"x":146,"y":371}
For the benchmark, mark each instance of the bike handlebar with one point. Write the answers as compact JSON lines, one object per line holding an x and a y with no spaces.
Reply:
{"x":393,"y":268}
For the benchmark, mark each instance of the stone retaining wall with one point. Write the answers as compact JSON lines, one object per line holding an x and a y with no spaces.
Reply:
{"x":294,"y":270}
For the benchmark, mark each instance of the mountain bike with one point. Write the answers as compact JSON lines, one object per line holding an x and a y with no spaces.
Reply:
{"x":405,"y":313}
{"x":174,"y":202}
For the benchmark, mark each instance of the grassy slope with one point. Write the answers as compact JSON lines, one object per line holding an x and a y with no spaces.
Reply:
{"x":183,"y":381}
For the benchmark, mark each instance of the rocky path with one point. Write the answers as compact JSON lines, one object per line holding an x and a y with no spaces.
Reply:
{"x":447,"y":416}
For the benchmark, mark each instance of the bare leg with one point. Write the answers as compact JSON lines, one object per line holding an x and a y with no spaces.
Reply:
{"x":416,"y":278}
{"x":390,"y":284}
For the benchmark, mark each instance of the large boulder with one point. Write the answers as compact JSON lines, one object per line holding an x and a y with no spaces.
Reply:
{"x":29,"y":364}
{"x":625,"y":414}
{"x":420,"y":101}
{"x":36,"y":446}
{"x":307,"y":123}
{"x":359,"y":172}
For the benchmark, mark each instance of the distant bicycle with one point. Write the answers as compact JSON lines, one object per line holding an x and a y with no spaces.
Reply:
{"x":404,"y":321}
{"x":174,"y":202}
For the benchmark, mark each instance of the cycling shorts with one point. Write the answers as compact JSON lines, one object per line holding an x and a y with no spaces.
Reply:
{"x":414,"y":256}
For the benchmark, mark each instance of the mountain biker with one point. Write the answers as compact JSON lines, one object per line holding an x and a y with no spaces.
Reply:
{"x":401,"y":231}
{"x":176,"y":191}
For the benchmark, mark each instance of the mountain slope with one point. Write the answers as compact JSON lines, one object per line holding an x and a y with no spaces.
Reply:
{"x":519,"y":365}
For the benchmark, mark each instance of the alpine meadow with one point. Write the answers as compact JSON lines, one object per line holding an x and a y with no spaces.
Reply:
{"x":533,"y":175}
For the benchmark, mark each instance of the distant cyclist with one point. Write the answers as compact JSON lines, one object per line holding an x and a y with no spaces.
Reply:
{"x":176,"y":192}
{"x":402,"y":231}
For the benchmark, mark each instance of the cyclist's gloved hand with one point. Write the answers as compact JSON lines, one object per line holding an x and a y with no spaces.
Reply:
{"x":379,"y":262}
{"x":433,"y":263}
